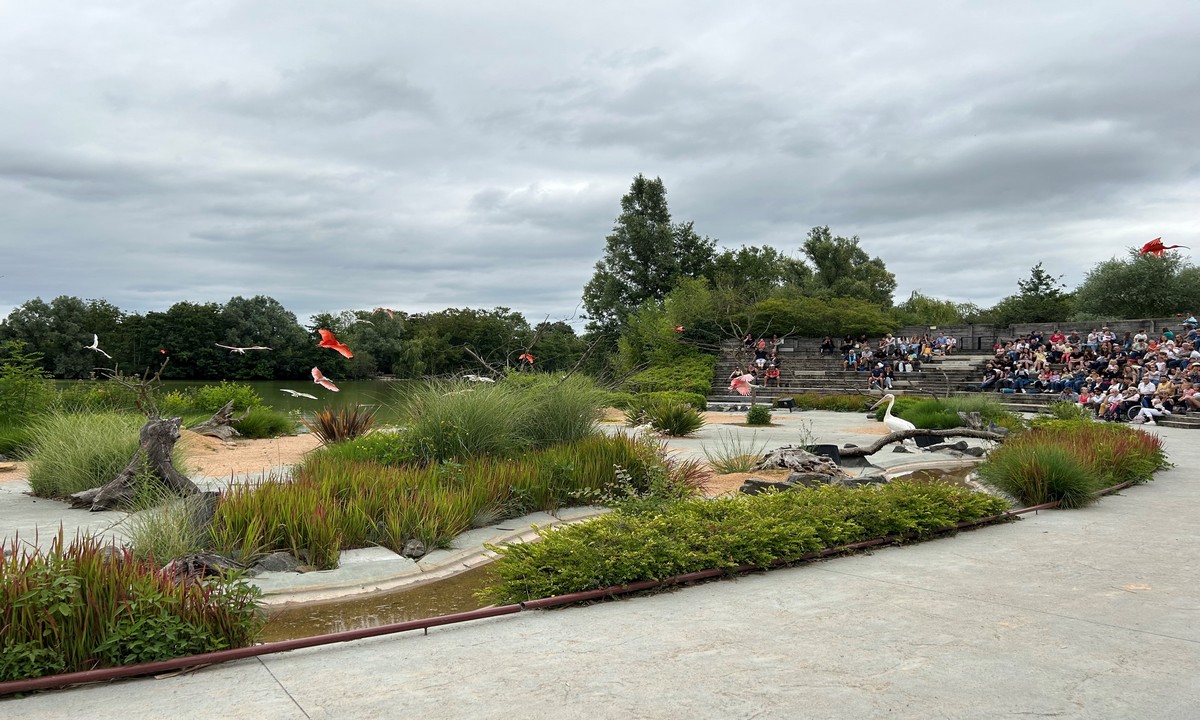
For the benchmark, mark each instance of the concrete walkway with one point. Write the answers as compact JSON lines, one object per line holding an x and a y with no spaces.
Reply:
{"x":1085,"y":613}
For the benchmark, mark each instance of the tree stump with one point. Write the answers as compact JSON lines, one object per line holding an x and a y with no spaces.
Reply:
{"x":151,"y":461}
{"x":220,"y":425}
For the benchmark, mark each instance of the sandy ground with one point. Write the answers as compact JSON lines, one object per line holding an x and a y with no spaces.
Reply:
{"x":211,"y":457}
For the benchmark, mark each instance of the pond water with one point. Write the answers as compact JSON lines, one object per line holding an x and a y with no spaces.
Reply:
{"x":452,"y":595}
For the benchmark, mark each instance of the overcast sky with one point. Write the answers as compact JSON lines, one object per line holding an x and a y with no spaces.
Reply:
{"x":425,"y":155}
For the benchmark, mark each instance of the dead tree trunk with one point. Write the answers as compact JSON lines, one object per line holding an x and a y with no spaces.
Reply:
{"x":151,"y":461}
{"x":904,"y":434}
{"x":220,"y":425}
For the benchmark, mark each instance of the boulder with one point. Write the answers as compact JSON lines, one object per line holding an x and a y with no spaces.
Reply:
{"x":281,"y":561}
{"x":975,"y":451}
{"x":413,"y":549}
{"x":960,"y":446}
{"x":900,"y":449}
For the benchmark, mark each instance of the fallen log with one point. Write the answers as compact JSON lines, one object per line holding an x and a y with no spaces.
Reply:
{"x":906,"y":434}
{"x":220,"y":425}
{"x":151,"y":462}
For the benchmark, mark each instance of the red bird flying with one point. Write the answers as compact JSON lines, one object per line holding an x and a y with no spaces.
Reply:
{"x":329,"y":341}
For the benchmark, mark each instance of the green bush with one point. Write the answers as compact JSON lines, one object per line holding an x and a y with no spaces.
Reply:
{"x":211,"y":398}
{"x":384,"y":448}
{"x":562,"y":411}
{"x":15,"y":439}
{"x":1064,"y":410}
{"x":24,"y":388}
{"x":619,"y":400}
{"x":758,"y":415}
{"x":1037,"y":474}
{"x":263,"y":422}
{"x":835,"y":403}
{"x":674,"y":419}
{"x":74,"y":452}
{"x":651,"y":542}
{"x":163,"y":528}
{"x":96,"y":396}
{"x":691,"y":374}
{"x":693,"y":400}
{"x":87,"y":605}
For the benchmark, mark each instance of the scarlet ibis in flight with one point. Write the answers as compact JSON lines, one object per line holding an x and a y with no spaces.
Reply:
{"x":323,"y":381}
{"x":241,"y":350}
{"x":96,"y":346}
{"x":679,"y":328}
{"x":389,"y":311}
{"x":329,"y":341}
{"x":526,"y":358}
{"x":1155,"y":247}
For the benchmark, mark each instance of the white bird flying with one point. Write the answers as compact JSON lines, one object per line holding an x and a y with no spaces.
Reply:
{"x":241,"y":350}
{"x":893,"y":423}
{"x":96,"y":346}
{"x":294,"y":393}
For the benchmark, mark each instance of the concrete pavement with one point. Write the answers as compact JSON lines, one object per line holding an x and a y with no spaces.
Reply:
{"x":1083,"y":613}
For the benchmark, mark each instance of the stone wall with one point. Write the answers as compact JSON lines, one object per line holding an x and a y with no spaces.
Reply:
{"x":973,"y":338}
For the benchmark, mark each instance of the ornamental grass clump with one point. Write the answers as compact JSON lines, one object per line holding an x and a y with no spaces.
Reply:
{"x":261,"y":421}
{"x":90,"y":604}
{"x":1069,"y":460}
{"x":641,"y":542}
{"x":341,"y":424}
{"x":733,"y":453}
{"x":674,"y":419}
{"x":70,"y":453}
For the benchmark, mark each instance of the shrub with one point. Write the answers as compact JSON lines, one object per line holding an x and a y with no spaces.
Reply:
{"x":15,"y":439}
{"x":211,"y":398}
{"x":758,"y":415}
{"x":694,"y":400}
{"x":674,"y":419}
{"x":561,"y":411}
{"x":619,"y":400}
{"x":638,"y":542}
{"x":384,"y":448}
{"x":25,"y":389}
{"x":450,"y":421}
{"x":96,"y":396}
{"x":836,"y":403}
{"x":70,"y":453}
{"x":1064,"y":410}
{"x":334,"y":426}
{"x":263,"y":422}
{"x":692,"y":374}
{"x":733,"y":453}
{"x":86,"y":605}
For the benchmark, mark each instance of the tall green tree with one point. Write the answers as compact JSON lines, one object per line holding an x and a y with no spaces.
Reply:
{"x":644,"y":257}
{"x":843,"y":269}
{"x":1041,"y":297}
{"x":1140,"y":286}
{"x":754,"y":272}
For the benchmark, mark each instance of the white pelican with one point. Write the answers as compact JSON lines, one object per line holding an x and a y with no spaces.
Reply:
{"x":893,"y":423}
{"x":294,"y":393}
{"x":241,"y":350}
{"x":96,"y":346}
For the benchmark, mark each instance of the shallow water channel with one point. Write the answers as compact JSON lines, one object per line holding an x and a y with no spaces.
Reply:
{"x":452,"y":595}
{"x":442,"y":597}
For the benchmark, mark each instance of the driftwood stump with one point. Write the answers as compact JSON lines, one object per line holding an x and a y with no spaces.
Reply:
{"x":220,"y":425}
{"x":153,"y":457}
{"x":905,"y":434}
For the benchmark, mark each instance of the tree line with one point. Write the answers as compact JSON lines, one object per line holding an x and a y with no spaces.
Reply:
{"x":660,"y":290}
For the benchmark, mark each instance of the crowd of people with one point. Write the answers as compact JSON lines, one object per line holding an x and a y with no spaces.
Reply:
{"x":1133,"y":376}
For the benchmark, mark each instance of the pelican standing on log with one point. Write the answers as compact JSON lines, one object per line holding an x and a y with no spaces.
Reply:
{"x":893,"y":423}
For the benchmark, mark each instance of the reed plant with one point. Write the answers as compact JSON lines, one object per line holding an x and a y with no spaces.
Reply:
{"x":332,"y":503}
{"x":562,"y":411}
{"x":454,"y":421}
{"x":331,"y":425}
{"x":674,"y":419}
{"x":1069,"y":460}
{"x":734,"y":453}
{"x":74,"y":452}
{"x":88,"y":604}
{"x":163,"y":527}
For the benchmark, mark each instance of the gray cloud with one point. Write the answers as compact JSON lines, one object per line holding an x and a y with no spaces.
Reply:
{"x":432,"y":156}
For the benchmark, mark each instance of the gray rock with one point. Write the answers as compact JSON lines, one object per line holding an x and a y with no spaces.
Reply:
{"x":975,"y":451}
{"x":281,"y":561}
{"x":757,"y":486}
{"x":414,"y":549}
{"x":961,"y":445}
{"x":808,"y":479}
{"x":900,"y":449}
{"x":868,"y":479}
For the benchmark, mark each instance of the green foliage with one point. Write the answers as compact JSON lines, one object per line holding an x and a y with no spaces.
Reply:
{"x":674,"y":419}
{"x":74,"y":452}
{"x":835,"y":403}
{"x":1069,"y":460}
{"x":644,"y":258}
{"x":87,"y":605}
{"x":261,"y":421}
{"x":341,"y":424}
{"x":97,"y":396}
{"x":24,"y":387}
{"x":561,"y":411}
{"x":211,"y":398}
{"x":642,"y":543}
{"x":1064,"y":410}
{"x":1140,"y":286}
{"x":692,"y":400}
{"x":163,"y":527}
{"x":758,"y":415}
{"x":1041,"y":298}
{"x":734,"y":453}
{"x":920,"y":309}
{"x":942,"y":413}
{"x":692,"y":374}
{"x":844,"y":270}
{"x":15,"y":439}
{"x":793,"y":314}
{"x":335,"y":500}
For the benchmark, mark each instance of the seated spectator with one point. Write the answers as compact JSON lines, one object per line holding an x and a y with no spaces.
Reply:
{"x":1147,"y":414}
{"x":827,"y":346}
{"x":1187,"y":398}
{"x":772,"y":374}
{"x":748,"y":341}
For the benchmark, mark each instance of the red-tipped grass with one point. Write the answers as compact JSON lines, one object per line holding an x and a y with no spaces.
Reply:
{"x":91,"y":604}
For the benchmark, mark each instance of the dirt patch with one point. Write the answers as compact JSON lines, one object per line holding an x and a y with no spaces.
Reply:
{"x":879,"y":429}
{"x":729,"y":483}
{"x":211,"y":457}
